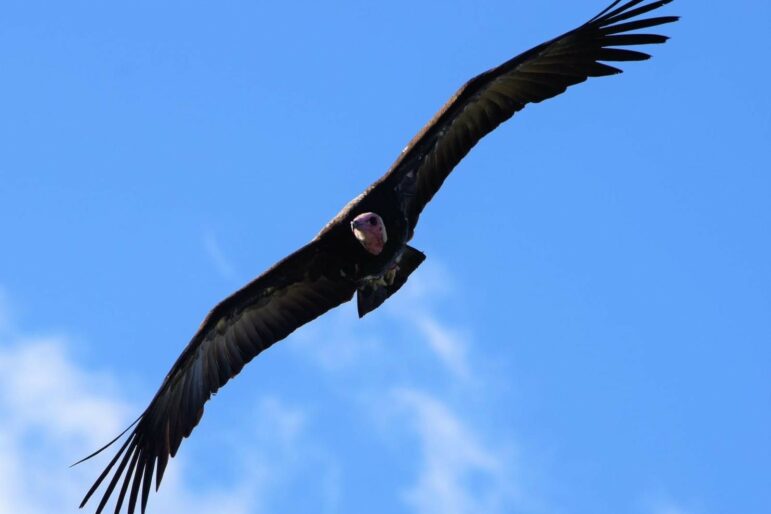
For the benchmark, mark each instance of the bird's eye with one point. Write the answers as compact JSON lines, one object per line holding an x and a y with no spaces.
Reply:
{"x":373,"y":221}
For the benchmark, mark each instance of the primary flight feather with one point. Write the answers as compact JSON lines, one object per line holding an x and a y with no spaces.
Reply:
{"x":363,"y":250}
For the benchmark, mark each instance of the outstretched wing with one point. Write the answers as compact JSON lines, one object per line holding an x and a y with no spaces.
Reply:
{"x":293,"y":292}
{"x":491,"y":98}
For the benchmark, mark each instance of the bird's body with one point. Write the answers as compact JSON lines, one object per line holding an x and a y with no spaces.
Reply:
{"x":364,"y":249}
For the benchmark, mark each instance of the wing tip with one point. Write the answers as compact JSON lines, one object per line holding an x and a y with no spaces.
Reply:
{"x":103,"y":448}
{"x":613,"y":15}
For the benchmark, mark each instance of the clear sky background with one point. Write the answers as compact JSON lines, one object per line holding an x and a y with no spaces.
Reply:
{"x":591,"y":332}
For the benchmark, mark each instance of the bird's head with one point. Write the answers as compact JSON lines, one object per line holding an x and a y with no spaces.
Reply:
{"x":370,"y":231}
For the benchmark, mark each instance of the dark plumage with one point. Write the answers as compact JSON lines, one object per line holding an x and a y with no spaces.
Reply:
{"x":351,"y":253}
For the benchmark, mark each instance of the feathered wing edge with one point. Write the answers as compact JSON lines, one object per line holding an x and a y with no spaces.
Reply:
{"x":100,"y":450}
{"x":296,"y":290}
{"x":492,"y":97}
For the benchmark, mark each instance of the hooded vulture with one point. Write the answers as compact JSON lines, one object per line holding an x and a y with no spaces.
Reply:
{"x":363,"y":250}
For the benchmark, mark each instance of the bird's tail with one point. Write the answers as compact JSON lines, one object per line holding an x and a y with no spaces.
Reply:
{"x":370,"y":295}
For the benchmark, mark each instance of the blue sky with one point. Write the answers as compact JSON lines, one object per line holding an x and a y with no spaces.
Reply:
{"x":590,"y":333}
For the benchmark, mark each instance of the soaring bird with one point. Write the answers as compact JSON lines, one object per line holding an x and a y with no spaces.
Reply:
{"x":363,"y":250}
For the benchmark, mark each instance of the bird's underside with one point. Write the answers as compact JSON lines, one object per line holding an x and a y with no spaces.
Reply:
{"x":363,"y":250}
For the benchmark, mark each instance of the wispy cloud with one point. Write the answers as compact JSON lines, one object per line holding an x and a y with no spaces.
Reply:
{"x":286,"y":421}
{"x":416,"y":305}
{"x":214,"y":251}
{"x":448,"y":344}
{"x":432,"y":280}
{"x":665,"y":505}
{"x":4,"y":311}
{"x":54,"y":411}
{"x":458,"y":474}
{"x":669,"y":509}
{"x":51,"y":413}
{"x":286,"y":456}
{"x":340,"y":340}
{"x":336,"y":342}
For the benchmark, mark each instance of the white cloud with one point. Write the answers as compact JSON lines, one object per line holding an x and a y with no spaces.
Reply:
{"x":669,"y":509}
{"x":285,"y":421}
{"x":431,"y":280}
{"x":339,"y":340}
{"x":415,"y":304}
{"x":4,"y":311}
{"x":666,"y":506}
{"x":286,"y":458}
{"x":214,"y":251}
{"x":53,"y":412}
{"x":335,"y":341}
{"x":458,"y":473}
{"x":41,"y":388}
{"x":446,"y":343}
{"x":48,"y":417}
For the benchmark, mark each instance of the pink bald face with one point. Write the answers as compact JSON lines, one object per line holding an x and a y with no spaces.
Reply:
{"x":370,"y":231}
